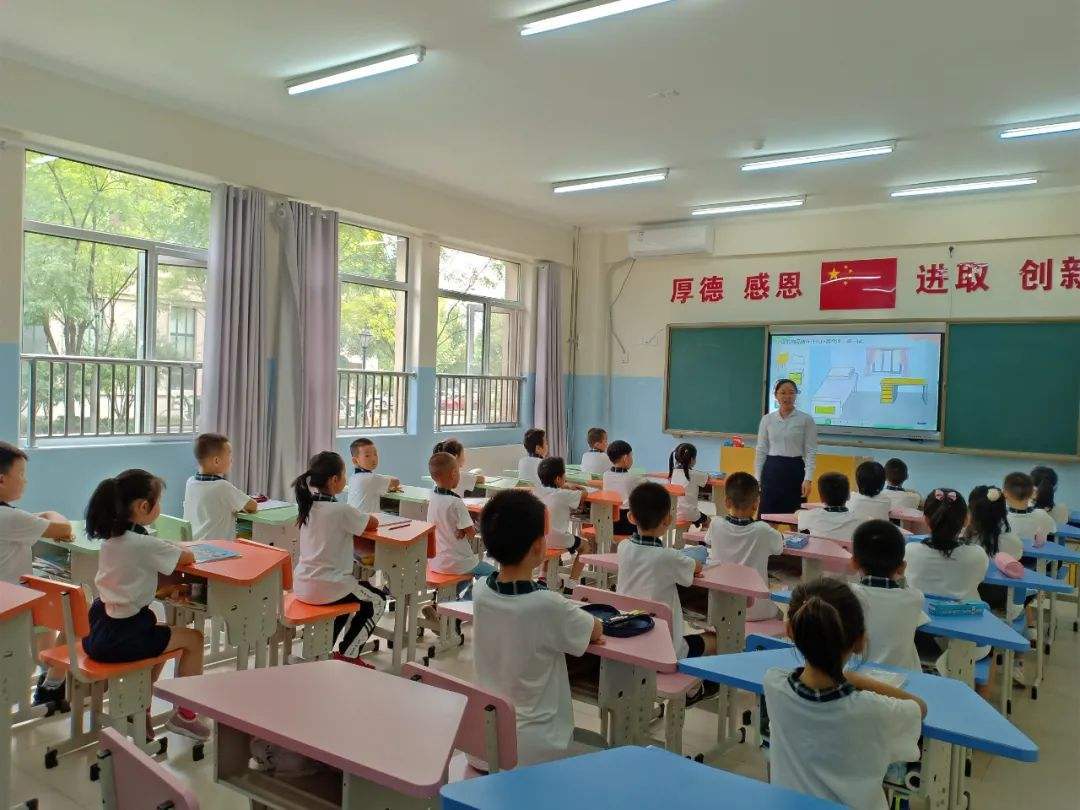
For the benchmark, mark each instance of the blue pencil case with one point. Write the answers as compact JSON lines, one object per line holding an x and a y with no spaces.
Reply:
{"x":796,"y":540}
{"x":972,"y":607}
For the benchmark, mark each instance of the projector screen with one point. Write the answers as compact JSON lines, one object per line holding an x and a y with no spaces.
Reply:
{"x":872,"y":383}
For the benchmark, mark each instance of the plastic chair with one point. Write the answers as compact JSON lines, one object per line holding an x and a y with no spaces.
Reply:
{"x":130,"y":780}
{"x":174,"y":529}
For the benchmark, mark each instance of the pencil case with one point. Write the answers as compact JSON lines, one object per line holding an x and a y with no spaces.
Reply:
{"x":620,"y":625}
{"x":1009,"y":566}
{"x":972,"y":607}
{"x":796,"y":540}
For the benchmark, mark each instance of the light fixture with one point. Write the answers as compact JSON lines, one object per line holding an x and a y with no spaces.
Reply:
{"x":748,"y":206}
{"x":957,"y":186}
{"x":355,"y":70}
{"x":1050,"y":128}
{"x":580,"y":13}
{"x":820,"y":156}
{"x":611,"y":181}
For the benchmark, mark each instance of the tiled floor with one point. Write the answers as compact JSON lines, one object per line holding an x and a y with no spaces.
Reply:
{"x":1053,"y":722}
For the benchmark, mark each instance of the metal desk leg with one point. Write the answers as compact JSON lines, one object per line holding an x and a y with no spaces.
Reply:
{"x":811,"y":569}
{"x":251,"y":614}
{"x":16,"y":664}
{"x":603,"y":523}
{"x":937,"y":774}
{"x":960,"y":661}
{"x":727,"y":617}
{"x":627,"y":695}
{"x":405,"y":569}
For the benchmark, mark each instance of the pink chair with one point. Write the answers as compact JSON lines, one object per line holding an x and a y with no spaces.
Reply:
{"x":131,"y":780}
{"x":488,"y":731}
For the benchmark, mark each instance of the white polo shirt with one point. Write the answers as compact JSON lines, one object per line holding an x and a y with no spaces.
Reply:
{"x":793,"y":436}
{"x":128,"y":568}
{"x":594,"y":462}
{"x":829,"y":524}
{"x":902,"y":498}
{"x":1060,"y":513}
{"x":453,"y":554}
{"x":622,"y":482}
{"x":324,"y":571}
{"x":1027,"y":523}
{"x":837,"y":744}
{"x":365,"y":490}
{"x":519,"y":646}
{"x":956,"y":576}
{"x":731,"y":540}
{"x":688,"y":508}
{"x":870,"y":508}
{"x":559,"y":503}
{"x":528,"y":470}
{"x":19,"y":531}
{"x":210,"y":506}
{"x":650,"y":571}
{"x":892,"y":613}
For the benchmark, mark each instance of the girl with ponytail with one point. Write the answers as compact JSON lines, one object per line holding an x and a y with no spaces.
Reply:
{"x":468,"y":481}
{"x":324,"y":573}
{"x":835,"y":732}
{"x":681,"y":471}
{"x":944,"y":564}
{"x":1045,"y":480}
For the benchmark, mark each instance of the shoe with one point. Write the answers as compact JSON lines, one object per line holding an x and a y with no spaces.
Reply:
{"x":194,"y":729}
{"x":43,"y":696}
{"x":358,"y":661}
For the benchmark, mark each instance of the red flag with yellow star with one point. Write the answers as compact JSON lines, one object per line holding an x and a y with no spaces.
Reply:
{"x":859,"y":284}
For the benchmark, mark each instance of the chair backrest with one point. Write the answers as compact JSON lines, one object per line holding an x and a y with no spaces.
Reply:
{"x":488,"y":728}
{"x":598,"y":596}
{"x":172,"y":528}
{"x":131,"y":780}
{"x":49,"y":612}
{"x":286,"y":560}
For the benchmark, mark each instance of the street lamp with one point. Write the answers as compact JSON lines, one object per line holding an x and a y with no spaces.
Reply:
{"x":366,"y":336}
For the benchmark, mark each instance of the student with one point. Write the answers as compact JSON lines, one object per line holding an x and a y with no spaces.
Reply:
{"x":896,"y":474}
{"x":19,"y":531}
{"x":211,"y":502}
{"x":619,"y":479}
{"x":523,"y":632}
{"x":1027,"y":520}
{"x":869,"y":503}
{"x":988,"y":526}
{"x":648,"y":570}
{"x":681,"y":471}
{"x":835,"y":733}
{"x":942,"y":564}
{"x":739,"y":538}
{"x":594,"y":461}
{"x":366,"y":486}
{"x":893,"y":611}
{"x":561,"y":499}
{"x":467,"y":481}
{"x":536,"y":446}
{"x":131,"y":566}
{"x":833,"y":520}
{"x":453,"y":523}
{"x":324,"y":571}
{"x":1045,"y":480}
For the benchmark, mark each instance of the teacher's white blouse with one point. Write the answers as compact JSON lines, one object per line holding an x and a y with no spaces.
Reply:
{"x":794,"y":436}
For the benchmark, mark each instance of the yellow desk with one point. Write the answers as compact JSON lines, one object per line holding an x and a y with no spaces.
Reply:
{"x":890,"y":384}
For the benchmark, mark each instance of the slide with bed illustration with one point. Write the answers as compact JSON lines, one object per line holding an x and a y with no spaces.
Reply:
{"x":877,"y":381}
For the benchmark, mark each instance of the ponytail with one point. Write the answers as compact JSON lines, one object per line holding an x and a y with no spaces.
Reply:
{"x":827,"y":624}
{"x":108,"y":513}
{"x":683,"y":457}
{"x":451,"y":446}
{"x":321,"y":468}
{"x":1045,"y":480}
{"x":988,"y":518}
{"x":946,"y":513}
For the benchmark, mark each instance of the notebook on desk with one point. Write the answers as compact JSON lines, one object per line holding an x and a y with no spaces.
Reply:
{"x":388,"y":521}
{"x":204,"y":552}
{"x":262,"y":506}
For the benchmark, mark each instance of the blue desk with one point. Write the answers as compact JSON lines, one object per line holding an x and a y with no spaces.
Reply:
{"x":1067,"y":531}
{"x":1032,"y":580}
{"x":1052,"y":551}
{"x":625,"y":778}
{"x":1074,"y":517}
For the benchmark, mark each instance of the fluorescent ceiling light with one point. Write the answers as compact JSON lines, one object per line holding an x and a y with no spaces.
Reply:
{"x":611,"y":181}
{"x":355,"y":70}
{"x":821,"y":156}
{"x":958,"y":186}
{"x":1042,"y":129}
{"x":581,"y":13}
{"x":748,"y":206}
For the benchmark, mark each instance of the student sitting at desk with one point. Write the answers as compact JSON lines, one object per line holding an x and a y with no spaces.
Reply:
{"x":523,"y":632}
{"x":942,"y":564}
{"x":211,"y":502}
{"x":988,"y":526}
{"x":1045,"y":480}
{"x":869,"y":503}
{"x":453,"y":523}
{"x":535,"y":442}
{"x":594,"y":461}
{"x":1027,"y":520}
{"x":467,"y":481}
{"x":835,"y":733}
{"x":681,"y":471}
{"x":324,"y":571}
{"x":896,"y":474}
{"x":561,"y":499}
{"x":834,"y":520}
{"x":122,"y":625}
{"x":619,"y":479}
{"x":19,"y":531}
{"x":366,"y":486}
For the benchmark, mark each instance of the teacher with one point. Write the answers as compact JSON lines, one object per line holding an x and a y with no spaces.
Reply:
{"x":785,"y":452}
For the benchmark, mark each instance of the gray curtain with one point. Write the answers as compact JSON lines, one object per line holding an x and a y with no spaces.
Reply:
{"x":549,"y":405}
{"x":235,"y":398}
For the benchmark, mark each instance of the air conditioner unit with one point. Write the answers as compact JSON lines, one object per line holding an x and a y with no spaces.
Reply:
{"x":671,"y":241}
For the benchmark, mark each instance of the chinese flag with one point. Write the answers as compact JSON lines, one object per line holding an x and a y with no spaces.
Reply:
{"x":859,"y":284}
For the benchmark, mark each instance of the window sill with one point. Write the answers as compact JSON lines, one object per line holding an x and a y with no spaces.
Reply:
{"x":75,"y":442}
{"x":453,"y":431}
{"x":355,"y":433}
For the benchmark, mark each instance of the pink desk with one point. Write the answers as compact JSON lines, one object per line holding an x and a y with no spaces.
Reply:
{"x":818,"y":554}
{"x":603,"y":508}
{"x":387,"y":739}
{"x":16,"y":665}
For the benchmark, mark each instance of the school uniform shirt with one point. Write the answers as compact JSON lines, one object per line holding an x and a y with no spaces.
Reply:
{"x":901,"y":498}
{"x":734,"y":540}
{"x":453,"y":554}
{"x":836,"y":744}
{"x":210,"y":506}
{"x":869,"y":508}
{"x":688,"y":508}
{"x":324,"y":570}
{"x":522,"y":634}
{"x":19,"y":531}
{"x":956,"y":576}
{"x":793,"y":436}
{"x":594,"y":462}
{"x":622,"y":482}
{"x":1060,"y":513}
{"x":365,"y":490}
{"x":648,"y":570}
{"x":559,"y":503}
{"x":1026,"y":523}
{"x":528,"y":470}
{"x":128,"y":568}
{"x":893,"y":612}
{"x":839,"y":525}
{"x":466,"y":482}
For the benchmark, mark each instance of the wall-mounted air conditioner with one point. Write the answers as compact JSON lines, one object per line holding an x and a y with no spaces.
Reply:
{"x":671,"y":241}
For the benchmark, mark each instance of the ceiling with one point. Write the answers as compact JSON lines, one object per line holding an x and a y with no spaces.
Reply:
{"x":501,"y":117}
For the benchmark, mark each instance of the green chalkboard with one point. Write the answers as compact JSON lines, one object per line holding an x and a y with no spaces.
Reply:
{"x":715,"y":379}
{"x":1013,"y":386}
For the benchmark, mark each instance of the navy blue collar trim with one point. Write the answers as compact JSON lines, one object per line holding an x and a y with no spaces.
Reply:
{"x":620,"y":469}
{"x":445,"y":491}
{"x":841,"y":690}
{"x":894,"y":488}
{"x":880,"y":582}
{"x":320,"y":497}
{"x":515,"y":588}
{"x":836,"y":508}
{"x":1027,"y":511}
{"x":208,"y":477}
{"x":360,"y":470}
{"x":738,"y":521}
{"x":135,"y":527}
{"x":8,"y":505}
{"x":655,"y":542}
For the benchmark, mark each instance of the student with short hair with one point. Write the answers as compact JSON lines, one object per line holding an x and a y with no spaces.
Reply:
{"x":942,"y":564}
{"x":835,"y":519}
{"x":366,"y":487}
{"x":535,"y":442}
{"x":869,"y":503}
{"x":594,"y":461}
{"x":210,"y":501}
{"x":453,"y":524}
{"x":560,"y":499}
{"x":896,"y":474}
{"x":1045,"y":480}
{"x":1027,"y":520}
{"x":681,"y":472}
{"x":467,"y":481}
{"x":618,"y":478}
{"x":523,"y":632}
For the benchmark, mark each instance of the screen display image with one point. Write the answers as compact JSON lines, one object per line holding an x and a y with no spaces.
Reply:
{"x":854,"y":382}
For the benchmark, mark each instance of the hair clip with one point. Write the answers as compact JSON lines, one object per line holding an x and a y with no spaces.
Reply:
{"x":993,"y":494}
{"x":939,"y":495}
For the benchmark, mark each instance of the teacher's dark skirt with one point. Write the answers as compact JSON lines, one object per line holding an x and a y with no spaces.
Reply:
{"x":781,"y":484}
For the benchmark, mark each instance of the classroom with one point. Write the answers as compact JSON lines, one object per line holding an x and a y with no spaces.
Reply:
{"x":536,"y":403}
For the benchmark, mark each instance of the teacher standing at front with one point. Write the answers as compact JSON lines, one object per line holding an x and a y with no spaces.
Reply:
{"x":785,"y":452}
